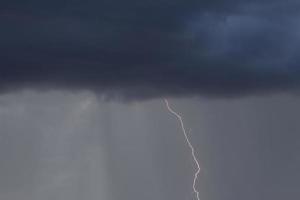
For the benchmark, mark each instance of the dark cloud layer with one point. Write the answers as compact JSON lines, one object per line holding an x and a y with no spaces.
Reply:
{"x":143,"y":48}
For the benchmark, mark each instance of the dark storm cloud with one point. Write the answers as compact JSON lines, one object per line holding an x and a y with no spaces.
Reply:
{"x":150,"y":48}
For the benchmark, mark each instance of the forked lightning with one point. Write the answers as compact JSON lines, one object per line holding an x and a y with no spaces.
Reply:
{"x":190,"y":145}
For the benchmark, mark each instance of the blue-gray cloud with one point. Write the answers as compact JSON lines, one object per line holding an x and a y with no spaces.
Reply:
{"x":151,"y":48}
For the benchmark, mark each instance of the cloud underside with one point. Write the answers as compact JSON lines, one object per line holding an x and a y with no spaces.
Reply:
{"x":145,"y":49}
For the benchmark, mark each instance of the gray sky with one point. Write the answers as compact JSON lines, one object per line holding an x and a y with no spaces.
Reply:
{"x":81,"y":114}
{"x":73,"y":146}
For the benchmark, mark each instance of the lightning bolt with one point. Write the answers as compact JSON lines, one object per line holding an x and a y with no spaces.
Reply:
{"x":190,"y":146}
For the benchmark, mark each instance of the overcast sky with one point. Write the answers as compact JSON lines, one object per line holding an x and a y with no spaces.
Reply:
{"x":72,"y":146}
{"x":144,"y":49}
{"x":81,"y":90}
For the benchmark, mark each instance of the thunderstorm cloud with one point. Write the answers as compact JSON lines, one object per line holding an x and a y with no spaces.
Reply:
{"x":144,"y":48}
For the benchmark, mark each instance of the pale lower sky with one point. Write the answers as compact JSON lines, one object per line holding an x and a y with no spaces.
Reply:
{"x":73,"y":146}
